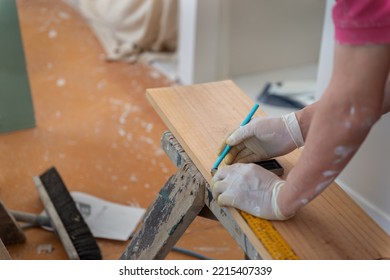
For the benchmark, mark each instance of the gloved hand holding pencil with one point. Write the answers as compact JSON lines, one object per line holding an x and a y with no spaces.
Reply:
{"x":250,"y":187}
{"x":264,"y":138}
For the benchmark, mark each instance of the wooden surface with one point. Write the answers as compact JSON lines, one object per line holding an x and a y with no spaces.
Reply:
{"x":174,"y":209}
{"x":331,"y":227}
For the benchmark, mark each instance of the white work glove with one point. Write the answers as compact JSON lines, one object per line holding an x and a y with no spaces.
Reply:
{"x":264,"y":138}
{"x":250,"y":188}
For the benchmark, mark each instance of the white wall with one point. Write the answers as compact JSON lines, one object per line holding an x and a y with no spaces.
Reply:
{"x":367,"y":176}
{"x":273,"y":34}
{"x":200,"y":48}
{"x":221,"y":39}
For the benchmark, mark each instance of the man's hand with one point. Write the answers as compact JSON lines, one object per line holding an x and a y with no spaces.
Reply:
{"x":250,"y":188}
{"x":264,"y":138}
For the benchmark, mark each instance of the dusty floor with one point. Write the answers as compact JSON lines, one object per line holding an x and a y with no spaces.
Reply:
{"x":95,"y":125}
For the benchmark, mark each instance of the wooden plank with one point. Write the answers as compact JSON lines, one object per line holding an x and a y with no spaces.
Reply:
{"x":10,"y":231}
{"x":331,"y":227}
{"x":176,"y":206}
{"x":4,"y":255}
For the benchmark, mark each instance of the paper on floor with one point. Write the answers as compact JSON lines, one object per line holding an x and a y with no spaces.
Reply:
{"x":107,"y":219}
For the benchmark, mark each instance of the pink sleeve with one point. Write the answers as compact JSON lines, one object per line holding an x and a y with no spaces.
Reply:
{"x":360,"y":22}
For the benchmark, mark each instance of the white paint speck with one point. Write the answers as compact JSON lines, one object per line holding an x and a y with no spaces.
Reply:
{"x":114,"y":178}
{"x":322,"y":186}
{"x":61,"y":82}
{"x":342,"y":152}
{"x":165,"y":170}
{"x":148,"y":126}
{"x":50,"y":65}
{"x":123,"y":117}
{"x":121,"y":132}
{"x":132,"y":108}
{"x":329,"y":173}
{"x":352,"y":110}
{"x":133,"y":178}
{"x":58,"y":114}
{"x":52,"y":34}
{"x":147,"y":140}
{"x":147,"y":186}
{"x":64,"y":15}
{"x":304,"y":201}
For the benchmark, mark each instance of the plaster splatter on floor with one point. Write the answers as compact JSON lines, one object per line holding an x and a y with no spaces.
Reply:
{"x":94,"y":125}
{"x":122,"y":132}
{"x":133,"y":178}
{"x":147,"y":140}
{"x":61,"y":82}
{"x":52,"y":34}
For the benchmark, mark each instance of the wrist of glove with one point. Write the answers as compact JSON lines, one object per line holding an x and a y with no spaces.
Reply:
{"x":293,"y":128}
{"x":250,"y":188}
{"x":264,"y":138}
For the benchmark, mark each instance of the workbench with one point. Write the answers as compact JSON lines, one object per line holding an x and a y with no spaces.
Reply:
{"x":199,"y":117}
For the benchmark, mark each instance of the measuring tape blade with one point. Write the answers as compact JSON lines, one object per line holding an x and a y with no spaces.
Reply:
{"x":270,"y":237}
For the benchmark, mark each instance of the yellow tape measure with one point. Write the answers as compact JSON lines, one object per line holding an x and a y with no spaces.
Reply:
{"x":271,"y":239}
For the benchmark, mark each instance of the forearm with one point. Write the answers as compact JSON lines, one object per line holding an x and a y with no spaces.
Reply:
{"x":338,"y":124}
{"x":305,"y":115}
{"x":331,"y":144}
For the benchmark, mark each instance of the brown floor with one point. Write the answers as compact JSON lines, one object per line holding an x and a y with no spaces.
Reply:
{"x":95,"y":125}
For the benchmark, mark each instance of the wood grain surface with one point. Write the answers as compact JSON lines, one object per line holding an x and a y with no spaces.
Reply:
{"x":332,"y":226}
